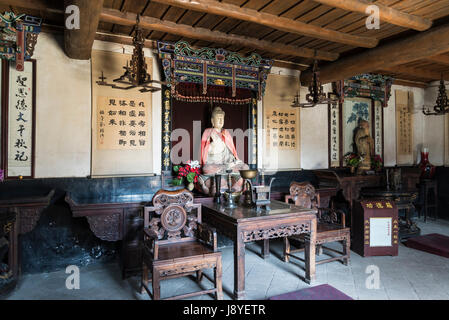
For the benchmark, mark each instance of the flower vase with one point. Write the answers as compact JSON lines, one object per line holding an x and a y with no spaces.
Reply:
{"x":427,"y":169}
{"x":190,"y":186}
{"x":352,"y":170}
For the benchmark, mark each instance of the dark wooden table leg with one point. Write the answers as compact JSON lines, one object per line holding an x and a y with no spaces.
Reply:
{"x":239,"y":268}
{"x":309,"y":251}
{"x":266,"y":249}
{"x":13,"y":253}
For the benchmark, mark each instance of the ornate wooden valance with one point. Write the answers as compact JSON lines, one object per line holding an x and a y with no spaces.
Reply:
{"x":374,"y":86}
{"x":212,"y":75}
{"x":18,"y":37}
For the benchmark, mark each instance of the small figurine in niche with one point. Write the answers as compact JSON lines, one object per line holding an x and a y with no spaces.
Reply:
{"x":219,"y":154}
{"x":364,"y":144}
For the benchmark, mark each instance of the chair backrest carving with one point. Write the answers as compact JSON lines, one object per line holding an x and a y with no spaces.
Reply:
{"x":172,"y":217}
{"x":303,"y":194}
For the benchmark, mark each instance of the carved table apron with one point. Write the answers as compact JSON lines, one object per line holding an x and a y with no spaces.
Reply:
{"x":115,"y":218}
{"x":244,"y":224}
{"x":28,"y":210}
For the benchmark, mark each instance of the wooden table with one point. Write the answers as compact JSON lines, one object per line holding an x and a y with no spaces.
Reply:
{"x":244,"y":224}
{"x":116,"y":218}
{"x":27,"y":206}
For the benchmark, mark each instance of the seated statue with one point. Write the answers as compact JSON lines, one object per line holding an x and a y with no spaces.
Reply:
{"x":365,"y":145}
{"x":218,"y":154}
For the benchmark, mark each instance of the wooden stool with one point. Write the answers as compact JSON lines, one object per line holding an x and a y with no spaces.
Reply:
{"x":429,"y":187}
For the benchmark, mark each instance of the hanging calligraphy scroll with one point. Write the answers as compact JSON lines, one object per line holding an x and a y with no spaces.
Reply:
{"x":122,"y":124}
{"x":404,"y":127}
{"x":21,"y":119}
{"x":121,"y":121}
{"x":212,"y":75}
{"x":281,"y":123}
{"x":334,"y":133}
{"x":18,"y":37}
{"x":378,"y":128}
{"x":166,"y":129}
{"x":252,"y":159}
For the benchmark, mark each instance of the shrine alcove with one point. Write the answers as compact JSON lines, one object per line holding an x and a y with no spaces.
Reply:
{"x":186,"y":113}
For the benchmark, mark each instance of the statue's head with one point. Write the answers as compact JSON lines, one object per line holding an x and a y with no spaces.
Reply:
{"x":217,"y":118}
{"x":364,"y":125}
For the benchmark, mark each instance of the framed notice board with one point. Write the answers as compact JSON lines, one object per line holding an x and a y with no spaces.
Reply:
{"x":376,"y":228}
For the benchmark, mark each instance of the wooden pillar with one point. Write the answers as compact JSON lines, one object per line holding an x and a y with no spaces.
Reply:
{"x":78,"y":42}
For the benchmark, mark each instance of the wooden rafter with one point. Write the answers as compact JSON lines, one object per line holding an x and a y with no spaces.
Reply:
{"x":128,"y":40}
{"x":273,"y":21}
{"x":386,"y":13}
{"x":129,"y":19}
{"x":420,"y":46}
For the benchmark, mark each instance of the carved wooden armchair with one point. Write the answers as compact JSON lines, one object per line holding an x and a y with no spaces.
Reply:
{"x":330,"y":228}
{"x":177,"y":244}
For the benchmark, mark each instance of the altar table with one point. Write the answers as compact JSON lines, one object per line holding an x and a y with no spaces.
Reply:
{"x":245,"y":224}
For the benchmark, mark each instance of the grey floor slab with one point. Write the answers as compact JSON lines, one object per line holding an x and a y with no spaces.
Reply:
{"x":412,"y":275}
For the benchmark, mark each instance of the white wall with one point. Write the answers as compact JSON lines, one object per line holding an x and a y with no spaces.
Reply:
{"x":63,"y":111}
{"x":63,"y":127}
{"x":63,"y":104}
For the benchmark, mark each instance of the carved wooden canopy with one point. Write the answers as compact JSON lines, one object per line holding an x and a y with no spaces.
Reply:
{"x":213,"y":75}
{"x":18,"y":37}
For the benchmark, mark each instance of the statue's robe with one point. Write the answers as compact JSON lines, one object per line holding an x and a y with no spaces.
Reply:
{"x":206,"y":141}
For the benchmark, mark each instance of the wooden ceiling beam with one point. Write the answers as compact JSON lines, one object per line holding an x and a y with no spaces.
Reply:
{"x":444,"y":60}
{"x":410,"y":83}
{"x":46,"y":5}
{"x":387,"y":14}
{"x":272,"y":21}
{"x":129,"y":19}
{"x":78,"y":42}
{"x":417,"y":72}
{"x":151,"y":44}
{"x":419,"y":46}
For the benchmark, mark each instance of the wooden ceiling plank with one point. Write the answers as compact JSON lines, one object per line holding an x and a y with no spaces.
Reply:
{"x":155,"y":10}
{"x":123,"y":18}
{"x":280,"y":23}
{"x":387,"y":14}
{"x":134,"y":6}
{"x":279,"y":6}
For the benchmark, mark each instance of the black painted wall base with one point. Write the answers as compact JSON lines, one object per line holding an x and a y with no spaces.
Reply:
{"x":60,"y":240}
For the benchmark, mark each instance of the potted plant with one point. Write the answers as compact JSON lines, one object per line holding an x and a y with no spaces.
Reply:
{"x":352,"y":160}
{"x":377,"y":163}
{"x":187,"y":174}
